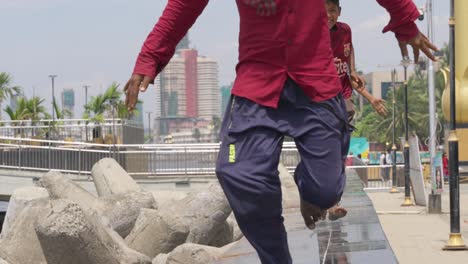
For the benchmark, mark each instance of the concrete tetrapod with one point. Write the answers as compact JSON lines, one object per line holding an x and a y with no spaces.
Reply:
{"x":156,"y":232}
{"x":119,"y":210}
{"x":288,"y":187}
{"x":21,"y":245}
{"x":19,"y":200}
{"x":160,"y":259}
{"x":236,"y":232}
{"x":110,"y":178}
{"x":190,"y":254}
{"x":198,"y":218}
{"x":68,"y":235}
{"x":3,"y":261}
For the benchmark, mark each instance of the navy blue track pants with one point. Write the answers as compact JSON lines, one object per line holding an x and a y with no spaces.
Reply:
{"x":247,"y":165}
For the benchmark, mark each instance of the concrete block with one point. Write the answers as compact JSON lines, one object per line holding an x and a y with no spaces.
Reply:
{"x":167,"y":198}
{"x":159,"y":259}
{"x":198,"y":218}
{"x":156,"y":233}
{"x":120,"y":211}
{"x":290,"y":194}
{"x":69,"y":235}
{"x":19,"y":200}
{"x":61,"y":187}
{"x":434,"y":204}
{"x":223,"y":237}
{"x":287,"y":180}
{"x":193,"y":254}
{"x":110,"y":178}
{"x":21,"y":245}
{"x":205,"y":213}
{"x":236,"y":232}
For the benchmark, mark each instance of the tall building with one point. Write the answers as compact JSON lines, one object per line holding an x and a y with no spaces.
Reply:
{"x":191,"y":82}
{"x":380,"y":83}
{"x":184,"y":43}
{"x":68,"y":101}
{"x":209,"y":96}
{"x":187,"y":91}
{"x":225,"y":96}
{"x":171,"y":92}
{"x":14,"y":101}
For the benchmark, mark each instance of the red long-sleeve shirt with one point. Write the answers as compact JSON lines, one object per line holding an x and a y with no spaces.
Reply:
{"x":278,"y":39}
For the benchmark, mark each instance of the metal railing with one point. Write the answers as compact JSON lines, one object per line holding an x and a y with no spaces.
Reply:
{"x":145,"y":160}
{"x":80,"y":130}
{"x":150,"y":160}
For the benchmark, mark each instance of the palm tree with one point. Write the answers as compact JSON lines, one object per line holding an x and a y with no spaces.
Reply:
{"x":28,"y":109}
{"x":61,"y":113}
{"x":216,"y":123}
{"x":102,"y":105}
{"x":6,"y":90}
{"x":35,"y":110}
{"x":379,"y":129}
{"x":20,"y":112}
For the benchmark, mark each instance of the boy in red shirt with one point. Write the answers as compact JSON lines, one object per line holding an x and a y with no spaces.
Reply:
{"x":286,"y":85}
{"x":343,"y":51}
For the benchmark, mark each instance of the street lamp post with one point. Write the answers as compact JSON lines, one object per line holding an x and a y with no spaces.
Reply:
{"x":455,"y":241}
{"x":86,"y":93}
{"x":394,"y":148}
{"x":406,"y":62}
{"x":52,"y":77}
{"x":113,"y":128}
{"x":86,"y":103}
{"x":149,"y":127}
{"x":434,"y":201}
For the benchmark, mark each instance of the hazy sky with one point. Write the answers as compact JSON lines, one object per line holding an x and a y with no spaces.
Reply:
{"x":96,"y":42}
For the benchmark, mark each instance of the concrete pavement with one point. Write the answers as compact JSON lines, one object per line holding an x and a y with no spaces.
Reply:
{"x":418,"y":237}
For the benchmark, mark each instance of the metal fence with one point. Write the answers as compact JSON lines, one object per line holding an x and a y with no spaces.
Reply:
{"x":80,"y":130}
{"x":148,"y":160}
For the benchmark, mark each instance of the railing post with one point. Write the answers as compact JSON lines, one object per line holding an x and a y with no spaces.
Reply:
{"x":19,"y":154}
{"x":185,"y":161}
{"x":79,"y":160}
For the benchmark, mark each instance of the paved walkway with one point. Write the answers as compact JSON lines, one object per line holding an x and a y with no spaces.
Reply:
{"x":358,"y":238}
{"x":418,"y":237}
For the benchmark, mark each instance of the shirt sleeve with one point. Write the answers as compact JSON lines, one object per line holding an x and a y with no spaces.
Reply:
{"x":403,"y":13}
{"x":159,"y":47}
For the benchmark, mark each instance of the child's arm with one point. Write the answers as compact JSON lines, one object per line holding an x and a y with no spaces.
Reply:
{"x":359,"y":84}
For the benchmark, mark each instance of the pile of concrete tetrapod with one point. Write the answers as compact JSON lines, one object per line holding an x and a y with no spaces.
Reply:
{"x":59,"y":222}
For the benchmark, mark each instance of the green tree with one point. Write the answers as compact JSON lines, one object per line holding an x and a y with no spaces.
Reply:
{"x":28,"y":109}
{"x":61,"y":113}
{"x":379,"y":129}
{"x":36,"y":110}
{"x":20,"y":112}
{"x":216,"y":124}
{"x":6,"y":89}
{"x":101,"y":104}
{"x":196,"y":134}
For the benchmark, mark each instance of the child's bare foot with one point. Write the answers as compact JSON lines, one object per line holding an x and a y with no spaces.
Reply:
{"x":311,"y":214}
{"x":336,"y":212}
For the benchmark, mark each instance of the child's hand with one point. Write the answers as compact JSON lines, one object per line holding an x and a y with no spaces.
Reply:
{"x":357,"y":82}
{"x":379,"y":106}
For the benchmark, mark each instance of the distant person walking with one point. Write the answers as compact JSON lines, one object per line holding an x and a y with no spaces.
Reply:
{"x":383,"y":170}
{"x":445,"y":166}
